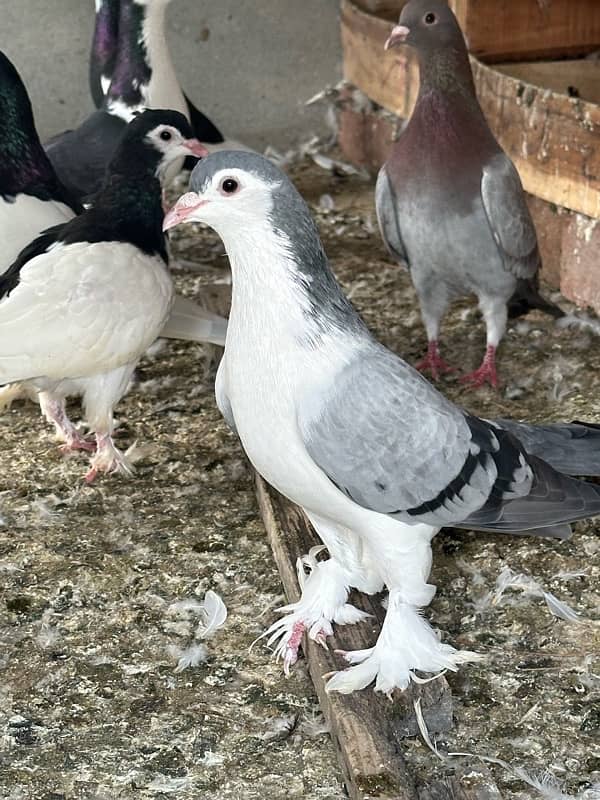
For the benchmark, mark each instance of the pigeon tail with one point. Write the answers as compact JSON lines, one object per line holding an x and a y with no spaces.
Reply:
{"x":527,"y":297}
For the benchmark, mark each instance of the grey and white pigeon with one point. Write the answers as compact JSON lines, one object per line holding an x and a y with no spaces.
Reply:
{"x":144,"y":43}
{"x":449,"y":201}
{"x":378,"y":459}
{"x":83,"y":301}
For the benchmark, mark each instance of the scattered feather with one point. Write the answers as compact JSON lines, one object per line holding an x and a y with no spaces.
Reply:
{"x":279,"y":728}
{"x":168,"y":785}
{"x":313,"y":725}
{"x":520,"y":581}
{"x":190,"y":657}
{"x":210,"y":759}
{"x":214,"y":612}
{"x":423,"y":729}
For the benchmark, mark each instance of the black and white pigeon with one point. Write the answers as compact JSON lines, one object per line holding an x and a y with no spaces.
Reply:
{"x":450,"y":202}
{"x":150,"y":26}
{"x":374,"y":454}
{"x":31,"y":196}
{"x":142,"y":77}
{"x":33,"y":199}
{"x":83,"y":301}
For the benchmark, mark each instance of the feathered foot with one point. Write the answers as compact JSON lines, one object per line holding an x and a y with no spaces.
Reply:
{"x":406,"y":643}
{"x":107,"y":459}
{"x":433,"y":362}
{"x":75,"y":441}
{"x":486,"y":372}
{"x":323,"y":601}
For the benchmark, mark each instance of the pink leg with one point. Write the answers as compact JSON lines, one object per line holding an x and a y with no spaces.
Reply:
{"x":433,"y":362}
{"x":295,"y":640}
{"x":107,"y":459}
{"x":485,"y":373}
{"x":54,"y":411}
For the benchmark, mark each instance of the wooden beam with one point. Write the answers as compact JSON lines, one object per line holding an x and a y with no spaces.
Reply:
{"x":390,"y":79}
{"x":367,"y":729}
{"x":552,"y":138}
{"x":499,"y":30}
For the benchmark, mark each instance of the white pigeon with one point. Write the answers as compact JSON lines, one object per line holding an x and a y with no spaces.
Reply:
{"x":84,"y":300}
{"x":377,"y":458}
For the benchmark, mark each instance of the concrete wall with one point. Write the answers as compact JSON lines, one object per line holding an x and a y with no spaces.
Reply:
{"x":249,"y":65}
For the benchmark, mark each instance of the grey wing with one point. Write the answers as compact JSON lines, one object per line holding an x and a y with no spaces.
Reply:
{"x":509,"y":218}
{"x":390,"y":441}
{"x":393,"y":444}
{"x":387,"y":216}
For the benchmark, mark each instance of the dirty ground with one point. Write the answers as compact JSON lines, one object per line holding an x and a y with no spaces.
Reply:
{"x":91,"y":706}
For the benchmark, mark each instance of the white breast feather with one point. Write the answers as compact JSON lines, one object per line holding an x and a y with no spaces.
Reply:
{"x":82,"y":309}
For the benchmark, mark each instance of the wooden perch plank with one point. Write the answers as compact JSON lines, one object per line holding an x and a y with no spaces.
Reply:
{"x":367,"y":729}
{"x":552,"y":138}
{"x":518,"y":29}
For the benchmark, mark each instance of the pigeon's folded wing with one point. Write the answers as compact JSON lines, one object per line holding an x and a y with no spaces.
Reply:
{"x":387,"y":217}
{"x":393,"y":444}
{"x":509,"y":218}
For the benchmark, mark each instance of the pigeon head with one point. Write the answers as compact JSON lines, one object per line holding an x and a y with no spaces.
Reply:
{"x":426,"y":25}
{"x":263,"y":221}
{"x":155,"y":142}
{"x":233,"y":191}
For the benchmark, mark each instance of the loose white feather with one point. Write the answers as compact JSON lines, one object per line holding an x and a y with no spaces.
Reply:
{"x":214,"y":612}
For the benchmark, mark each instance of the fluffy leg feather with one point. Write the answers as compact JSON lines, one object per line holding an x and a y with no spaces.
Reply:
{"x":325,"y":591}
{"x":406,"y":643}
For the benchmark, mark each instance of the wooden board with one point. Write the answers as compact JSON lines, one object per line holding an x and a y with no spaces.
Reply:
{"x":518,"y":29}
{"x":389,"y":9}
{"x":390,"y":78}
{"x":553,"y":139}
{"x":367,"y":729}
{"x":577,"y":78}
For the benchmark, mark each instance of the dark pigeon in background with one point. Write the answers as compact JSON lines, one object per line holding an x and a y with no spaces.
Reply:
{"x":127,"y":75}
{"x":103,"y":54}
{"x":450,"y":202}
{"x":105,"y":48}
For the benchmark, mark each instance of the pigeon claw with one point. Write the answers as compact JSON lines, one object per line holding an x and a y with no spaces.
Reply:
{"x":292,"y":645}
{"x":486,"y":373}
{"x":434,"y":363}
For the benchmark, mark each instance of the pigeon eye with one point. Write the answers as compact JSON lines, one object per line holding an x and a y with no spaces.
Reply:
{"x":229,"y":186}
{"x":166,"y":136}
{"x":430,"y":18}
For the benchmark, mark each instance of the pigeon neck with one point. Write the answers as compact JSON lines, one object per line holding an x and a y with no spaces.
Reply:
{"x":448,"y":71}
{"x":287,"y":271}
{"x":104,"y":48}
{"x":164,"y":90}
{"x":127,"y":210}
{"x":24,"y":166}
{"x":131,"y":75}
